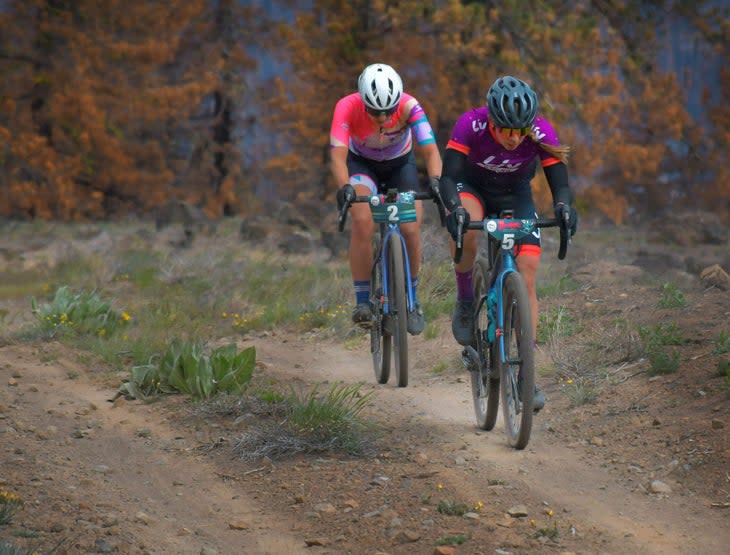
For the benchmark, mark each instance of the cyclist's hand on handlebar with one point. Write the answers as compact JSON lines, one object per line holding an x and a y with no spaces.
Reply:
{"x":566,"y":213}
{"x":434,"y":183}
{"x":345,"y":195}
{"x":459,"y":214}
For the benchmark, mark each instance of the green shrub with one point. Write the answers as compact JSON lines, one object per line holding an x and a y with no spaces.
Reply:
{"x":186,"y":368}
{"x":452,"y":509}
{"x":10,"y":504}
{"x":659,"y":335}
{"x":564,"y":284}
{"x":662,"y":361}
{"x":581,"y":391}
{"x":554,"y":323}
{"x":722,"y":344}
{"x":333,"y":416}
{"x":671,"y":297}
{"x":81,"y":313}
{"x":456,"y":539}
{"x":7,"y":548}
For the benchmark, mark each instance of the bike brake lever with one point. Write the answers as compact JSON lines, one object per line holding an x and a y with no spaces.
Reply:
{"x":343,"y":213}
{"x":459,"y":240}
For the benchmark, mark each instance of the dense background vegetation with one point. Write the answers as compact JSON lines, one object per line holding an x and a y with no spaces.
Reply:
{"x":121,"y":107}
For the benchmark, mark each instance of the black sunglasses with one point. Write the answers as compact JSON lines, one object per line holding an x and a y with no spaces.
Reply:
{"x":375,"y":113}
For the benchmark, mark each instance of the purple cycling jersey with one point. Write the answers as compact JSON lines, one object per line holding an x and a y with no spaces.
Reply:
{"x":490,"y":163}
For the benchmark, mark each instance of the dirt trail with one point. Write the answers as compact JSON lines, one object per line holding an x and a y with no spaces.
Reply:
{"x":117,"y":475}
{"x":548,"y":471}
{"x":132,"y":478}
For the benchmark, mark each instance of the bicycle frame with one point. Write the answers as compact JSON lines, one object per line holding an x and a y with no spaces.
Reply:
{"x":386,"y":231}
{"x":504,"y":263}
{"x":391,"y":269}
{"x":504,"y":291}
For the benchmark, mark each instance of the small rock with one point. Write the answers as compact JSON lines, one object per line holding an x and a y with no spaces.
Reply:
{"x":506,"y":522}
{"x":144,"y":518}
{"x":658,"y":486}
{"x":208,"y":551}
{"x":717,"y":424}
{"x":444,"y":550}
{"x":517,"y":511}
{"x":715,"y":276}
{"x":471,"y":516}
{"x":103,"y":546}
{"x":315,"y":541}
{"x":325,"y":508}
{"x":238,"y":525}
{"x":407,"y":536}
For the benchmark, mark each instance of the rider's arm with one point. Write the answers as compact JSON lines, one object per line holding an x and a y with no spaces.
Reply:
{"x":338,"y":165}
{"x":424,"y":136}
{"x":433,"y":159}
{"x":557,"y":178}
{"x":453,"y":170}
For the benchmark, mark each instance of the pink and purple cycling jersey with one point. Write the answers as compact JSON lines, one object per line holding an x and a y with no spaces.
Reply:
{"x":492,"y":164}
{"x":351,"y":127}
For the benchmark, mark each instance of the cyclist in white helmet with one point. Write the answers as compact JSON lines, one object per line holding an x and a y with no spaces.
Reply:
{"x":372,"y":140}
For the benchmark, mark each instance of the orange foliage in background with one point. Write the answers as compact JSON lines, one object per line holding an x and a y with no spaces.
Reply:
{"x":116,"y":107}
{"x":97,"y":99}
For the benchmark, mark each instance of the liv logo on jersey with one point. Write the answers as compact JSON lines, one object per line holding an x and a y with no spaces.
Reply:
{"x":503,"y":167}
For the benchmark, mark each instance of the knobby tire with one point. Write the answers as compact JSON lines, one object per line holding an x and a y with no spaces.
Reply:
{"x":380,"y":339}
{"x":399,"y":308}
{"x":484,"y":373}
{"x":519,"y":360}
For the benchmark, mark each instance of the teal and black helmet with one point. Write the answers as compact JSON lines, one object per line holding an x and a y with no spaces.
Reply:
{"x":512,"y":103}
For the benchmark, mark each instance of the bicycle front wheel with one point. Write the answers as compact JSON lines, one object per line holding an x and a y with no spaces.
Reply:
{"x":484,"y":375}
{"x":518,"y":368}
{"x":380,"y":338}
{"x":398,"y":308}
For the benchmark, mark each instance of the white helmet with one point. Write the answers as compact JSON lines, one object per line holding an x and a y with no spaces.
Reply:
{"x":380,"y":87}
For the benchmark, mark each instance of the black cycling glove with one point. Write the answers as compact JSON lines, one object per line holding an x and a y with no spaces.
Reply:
{"x":345,"y":194}
{"x":434,"y":184}
{"x":561,"y":211}
{"x":452,"y":221}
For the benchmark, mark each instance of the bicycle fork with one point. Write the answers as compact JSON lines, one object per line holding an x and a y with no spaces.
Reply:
{"x":410,"y":294}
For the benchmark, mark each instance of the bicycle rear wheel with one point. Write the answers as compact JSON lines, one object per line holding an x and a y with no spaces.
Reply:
{"x":517,"y":396}
{"x":484,"y":377}
{"x":398,"y":308}
{"x":380,"y":338}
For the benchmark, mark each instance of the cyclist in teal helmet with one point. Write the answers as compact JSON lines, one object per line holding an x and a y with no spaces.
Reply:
{"x":489,"y":162}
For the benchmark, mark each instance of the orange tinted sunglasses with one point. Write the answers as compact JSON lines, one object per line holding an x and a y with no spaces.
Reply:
{"x":522,"y":131}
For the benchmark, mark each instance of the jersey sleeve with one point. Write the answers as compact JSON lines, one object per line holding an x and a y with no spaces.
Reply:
{"x":461,"y":134}
{"x":341,"y":120}
{"x":545,"y":133}
{"x":418,"y":122}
